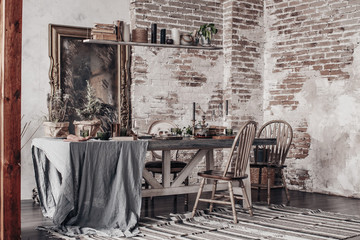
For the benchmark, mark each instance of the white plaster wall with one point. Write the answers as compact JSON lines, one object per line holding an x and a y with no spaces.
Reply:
{"x":330,"y":110}
{"x":37,"y":14}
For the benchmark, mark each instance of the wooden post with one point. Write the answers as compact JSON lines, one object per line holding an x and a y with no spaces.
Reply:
{"x":10,"y":117}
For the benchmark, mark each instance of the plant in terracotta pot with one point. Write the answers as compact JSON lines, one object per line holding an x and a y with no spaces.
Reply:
{"x":206,"y":31}
{"x":94,"y":114}
{"x":57,"y":124}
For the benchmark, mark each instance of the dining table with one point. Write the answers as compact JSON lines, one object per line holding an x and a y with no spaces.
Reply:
{"x":204,"y":149}
{"x":98,"y":183}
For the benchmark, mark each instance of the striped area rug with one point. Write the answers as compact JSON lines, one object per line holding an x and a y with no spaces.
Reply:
{"x":275,"y":222}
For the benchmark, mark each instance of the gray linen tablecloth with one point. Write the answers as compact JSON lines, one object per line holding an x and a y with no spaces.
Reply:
{"x":92,"y":186}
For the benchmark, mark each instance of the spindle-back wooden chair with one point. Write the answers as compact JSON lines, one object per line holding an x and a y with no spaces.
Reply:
{"x":234,"y":171}
{"x":275,"y":154}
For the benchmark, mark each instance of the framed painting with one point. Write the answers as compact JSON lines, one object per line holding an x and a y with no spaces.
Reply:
{"x":74,"y":64}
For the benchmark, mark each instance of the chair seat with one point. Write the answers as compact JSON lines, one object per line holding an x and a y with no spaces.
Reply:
{"x":218,"y":175}
{"x":265,"y":164}
{"x":156,"y":166}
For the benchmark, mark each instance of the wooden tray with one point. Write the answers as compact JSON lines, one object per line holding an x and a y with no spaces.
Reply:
{"x":202,"y":136}
{"x":169,"y":138}
{"x":224,"y":137}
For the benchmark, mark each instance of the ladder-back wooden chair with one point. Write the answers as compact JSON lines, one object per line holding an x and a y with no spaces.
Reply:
{"x":155,"y":166}
{"x":274,"y":155}
{"x":234,"y":171}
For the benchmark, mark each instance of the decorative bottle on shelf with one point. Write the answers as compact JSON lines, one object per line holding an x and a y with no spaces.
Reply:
{"x":153,"y":32}
{"x":162,"y":36}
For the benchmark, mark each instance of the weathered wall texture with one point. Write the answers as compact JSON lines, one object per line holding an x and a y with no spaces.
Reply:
{"x":37,"y":14}
{"x":282,"y":59}
{"x":312,"y":80}
{"x":167,"y":81}
{"x":243,"y":52}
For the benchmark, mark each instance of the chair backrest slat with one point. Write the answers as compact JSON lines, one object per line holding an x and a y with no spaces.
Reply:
{"x":161,"y":126}
{"x":282,"y":131}
{"x":240,"y":150}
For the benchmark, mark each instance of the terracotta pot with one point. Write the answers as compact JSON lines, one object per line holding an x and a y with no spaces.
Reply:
{"x":59,"y":129}
{"x":92,"y":125}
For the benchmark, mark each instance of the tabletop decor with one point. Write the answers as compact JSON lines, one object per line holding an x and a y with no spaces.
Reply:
{"x":57,"y":124}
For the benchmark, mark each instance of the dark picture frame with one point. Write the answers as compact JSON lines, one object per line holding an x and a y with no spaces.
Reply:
{"x":73,"y":63}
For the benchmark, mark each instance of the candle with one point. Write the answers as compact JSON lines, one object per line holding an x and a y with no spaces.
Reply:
{"x":126,"y":33}
{"x":227,"y":107}
{"x":194,"y":111}
{"x":175,"y":35}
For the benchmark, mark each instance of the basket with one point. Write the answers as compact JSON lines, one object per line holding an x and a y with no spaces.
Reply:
{"x":140,"y":35}
{"x":254,"y":176}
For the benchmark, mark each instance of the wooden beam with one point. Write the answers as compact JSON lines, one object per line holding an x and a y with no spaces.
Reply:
{"x":189,"y":167}
{"x":10,"y":117}
{"x":180,"y":190}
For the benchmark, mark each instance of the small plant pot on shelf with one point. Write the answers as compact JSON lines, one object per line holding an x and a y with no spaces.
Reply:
{"x":93,"y":126}
{"x":59,"y":129}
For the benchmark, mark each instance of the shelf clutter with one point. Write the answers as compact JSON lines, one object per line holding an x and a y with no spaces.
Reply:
{"x":102,"y":31}
{"x":118,"y":33}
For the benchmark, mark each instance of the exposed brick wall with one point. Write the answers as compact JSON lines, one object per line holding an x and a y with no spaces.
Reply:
{"x":166,"y":81}
{"x":171,"y":79}
{"x":309,"y":43}
{"x":292,"y":60}
{"x":243,"y":52}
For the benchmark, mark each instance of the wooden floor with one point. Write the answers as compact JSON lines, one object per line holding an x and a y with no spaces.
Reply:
{"x":31,"y":215}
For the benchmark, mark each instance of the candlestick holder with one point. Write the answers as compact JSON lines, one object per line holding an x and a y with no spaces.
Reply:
{"x":193,"y":126}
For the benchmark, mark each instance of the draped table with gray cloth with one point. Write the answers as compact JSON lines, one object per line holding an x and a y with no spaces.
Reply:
{"x":90,"y":186}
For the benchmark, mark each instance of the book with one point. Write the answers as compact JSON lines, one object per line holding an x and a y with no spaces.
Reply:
{"x":104,"y":36}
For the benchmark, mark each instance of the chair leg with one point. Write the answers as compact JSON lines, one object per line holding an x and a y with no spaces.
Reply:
{"x":175,"y":198}
{"x":232,"y":199}
{"x":213,"y":195}
{"x":259,"y":182}
{"x":285,"y":187}
{"x":186,"y":206}
{"x":198,"y":196}
{"x":246,"y":198}
{"x":268,"y":185}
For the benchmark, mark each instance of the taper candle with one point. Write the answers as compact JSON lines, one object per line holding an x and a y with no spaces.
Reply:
{"x":227,"y":107}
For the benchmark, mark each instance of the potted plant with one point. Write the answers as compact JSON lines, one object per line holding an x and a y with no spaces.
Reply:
{"x":94,"y":114}
{"x":57,"y":124}
{"x":206,"y":32}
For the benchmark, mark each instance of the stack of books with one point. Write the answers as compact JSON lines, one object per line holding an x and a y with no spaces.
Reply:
{"x":102,"y":31}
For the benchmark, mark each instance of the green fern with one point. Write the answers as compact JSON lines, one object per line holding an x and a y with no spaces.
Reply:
{"x":92,"y":105}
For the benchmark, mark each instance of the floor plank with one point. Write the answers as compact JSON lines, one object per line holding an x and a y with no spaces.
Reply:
{"x":31,"y":215}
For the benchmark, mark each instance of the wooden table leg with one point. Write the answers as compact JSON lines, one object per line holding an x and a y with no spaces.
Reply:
{"x":210,"y":160}
{"x":166,"y":160}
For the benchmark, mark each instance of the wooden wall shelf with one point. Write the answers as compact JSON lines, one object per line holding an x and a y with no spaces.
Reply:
{"x":149,"y":44}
